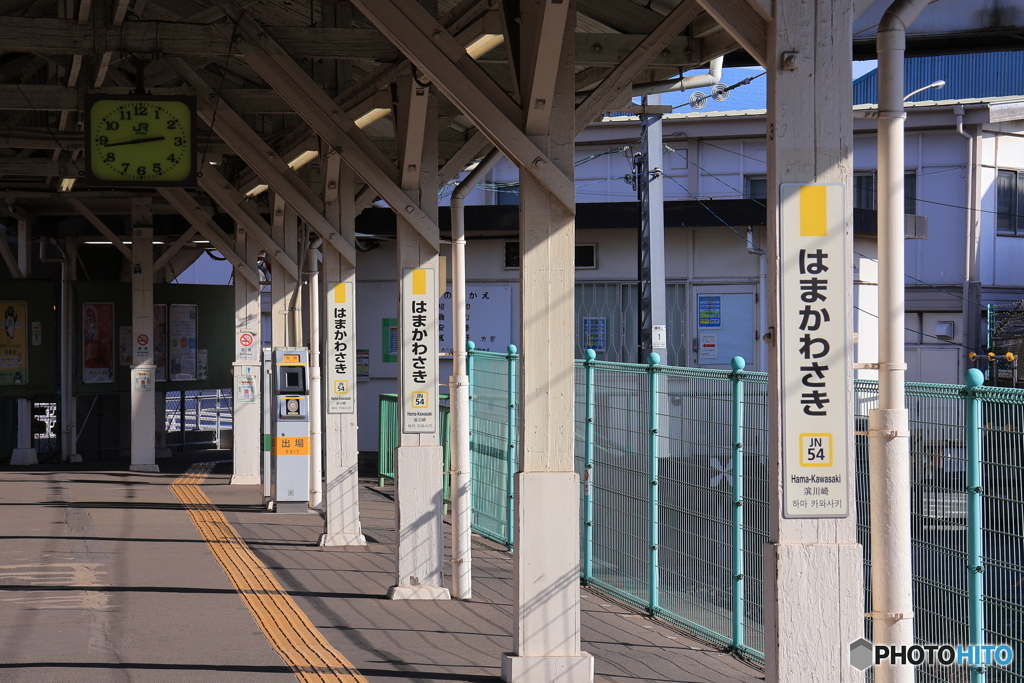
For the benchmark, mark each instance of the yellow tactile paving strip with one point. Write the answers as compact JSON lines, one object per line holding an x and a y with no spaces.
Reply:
{"x":289,"y":631}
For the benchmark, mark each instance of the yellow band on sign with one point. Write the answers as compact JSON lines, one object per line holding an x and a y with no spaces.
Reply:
{"x":419,"y":282}
{"x":339,"y":293}
{"x":290,"y":445}
{"x":813,"y":211}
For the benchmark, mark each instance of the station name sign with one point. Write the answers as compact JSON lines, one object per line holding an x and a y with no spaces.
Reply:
{"x":815,"y":341}
{"x":418,"y":354}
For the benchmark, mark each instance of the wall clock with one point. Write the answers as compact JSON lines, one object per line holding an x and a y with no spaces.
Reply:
{"x":140,"y":141}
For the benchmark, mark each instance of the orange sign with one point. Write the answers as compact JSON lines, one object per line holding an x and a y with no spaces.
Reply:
{"x":290,"y":358}
{"x":291,"y":445}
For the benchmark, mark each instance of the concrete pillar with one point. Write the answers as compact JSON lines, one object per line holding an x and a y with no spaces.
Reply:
{"x":419,"y":554}
{"x":284,"y":230}
{"x":814,"y":591}
{"x":24,"y":453}
{"x":143,"y":369}
{"x":546,"y":573}
{"x":161,"y":449}
{"x":68,"y":399}
{"x":341,"y":448}
{"x":246,"y":447}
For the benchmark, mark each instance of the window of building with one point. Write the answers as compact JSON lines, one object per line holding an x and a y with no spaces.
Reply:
{"x":507,"y":195}
{"x":755,"y":186}
{"x":1009,"y":188}
{"x":865,"y":192}
{"x":586,"y":255}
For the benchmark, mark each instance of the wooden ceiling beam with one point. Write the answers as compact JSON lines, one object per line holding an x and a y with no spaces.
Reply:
{"x":67,"y":36}
{"x":233,"y":130}
{"x":197,"y":216}
{"x":745,"y":23}
{"x":622,"y":76}
{"x":235,"y":205}
{"x":423,"y":41}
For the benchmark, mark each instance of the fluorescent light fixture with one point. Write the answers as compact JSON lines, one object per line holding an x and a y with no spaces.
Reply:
{"x":66,"y":184}
{"x":484,"y":44}
{"x":259,"y":189}
{"x":371,"y":116}
{"x":303,"y":159}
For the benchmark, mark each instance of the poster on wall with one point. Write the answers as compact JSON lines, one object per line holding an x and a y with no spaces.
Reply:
{"x":14,"y":343}
{"x":97,"y":343}
{"x":182,"y":329}
{"x":160,"y":341}
{"x":124,"y":345}
{"x":488,"y":324}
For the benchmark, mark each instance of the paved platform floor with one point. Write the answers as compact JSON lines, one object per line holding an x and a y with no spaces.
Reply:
{"x":104,"y":577}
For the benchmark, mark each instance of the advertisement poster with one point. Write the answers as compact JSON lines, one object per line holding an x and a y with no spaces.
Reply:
{"x":160,"y":341}
{"x":14,"y":343}
{"x":488,"y":324}
{"x":124,"y":344}
{"x":595,"y":334}
{"x":182,"y":328}
{"x":97,"y":343}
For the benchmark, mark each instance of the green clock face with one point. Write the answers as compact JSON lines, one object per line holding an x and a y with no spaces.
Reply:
{"x":140,"y":141}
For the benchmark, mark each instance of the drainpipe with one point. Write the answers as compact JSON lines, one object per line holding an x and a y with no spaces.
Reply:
{"x":713,"y":76}
{"x":315,"y":389}
{"x":462,"y":575}
{"x":970,"y":317}
{"x":888,"y":426}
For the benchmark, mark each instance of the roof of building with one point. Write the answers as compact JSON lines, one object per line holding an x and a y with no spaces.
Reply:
{"x":987,"y":74}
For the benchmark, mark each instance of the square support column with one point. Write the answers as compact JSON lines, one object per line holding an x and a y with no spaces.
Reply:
{"x":284,"y":231}
{"x":143,"y":369}
{"x":546,"y":583}
{"x":24,"y":453}
{"x":245,"y":406}
{"x":419,"y":554}
{"x":340,"y":429}
{"x":813,"y":583}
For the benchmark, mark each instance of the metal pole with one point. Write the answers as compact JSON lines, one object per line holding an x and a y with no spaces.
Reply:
{"x":462,"y":479}
{"x":316,"y":457}
{"x":892,"y":609}
{"x":651,"y":253}
{"x":588,"y":471}
{"x":510,"y":465}
{"x":737,"y":501}
{"x":217,"y":427}
{"x":975,"y":565}
{"x":652,"y":464}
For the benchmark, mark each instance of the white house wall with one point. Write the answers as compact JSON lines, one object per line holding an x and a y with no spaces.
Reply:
{"x":1002,"y":255}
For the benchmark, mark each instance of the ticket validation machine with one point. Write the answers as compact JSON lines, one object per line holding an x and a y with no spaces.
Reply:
{"x":289,"y":435}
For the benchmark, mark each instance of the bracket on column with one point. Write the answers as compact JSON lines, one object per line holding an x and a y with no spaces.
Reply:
{"x":202,"y":221}
{"x":101,"y":226}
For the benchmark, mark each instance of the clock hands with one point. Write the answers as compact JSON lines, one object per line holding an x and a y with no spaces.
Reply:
{"x":136,"y":141}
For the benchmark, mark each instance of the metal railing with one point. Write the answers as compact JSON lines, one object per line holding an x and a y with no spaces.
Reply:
{"x":673,"y":466}
{"x":197,"y":417}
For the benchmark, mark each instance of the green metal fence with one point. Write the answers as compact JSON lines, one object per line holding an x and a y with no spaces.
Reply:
{"x":388,"y":440}
{"x":689,"y":547}
{"x":673,"y":467}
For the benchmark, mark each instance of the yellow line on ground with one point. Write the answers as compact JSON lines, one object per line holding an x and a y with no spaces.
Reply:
{"x":287,"y":628}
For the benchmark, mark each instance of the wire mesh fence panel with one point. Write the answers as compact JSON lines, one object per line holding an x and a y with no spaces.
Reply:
{"x":489,"y":439}
{"x":1002,"y":527}
{"x":387,"y":437}
{"x":755,"y":506}
{"x":696,"y":584}
{"x":620,"y":482}
{"x":695,"y":499}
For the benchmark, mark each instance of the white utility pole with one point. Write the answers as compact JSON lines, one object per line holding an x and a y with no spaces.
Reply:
{"x":892,"y":606}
